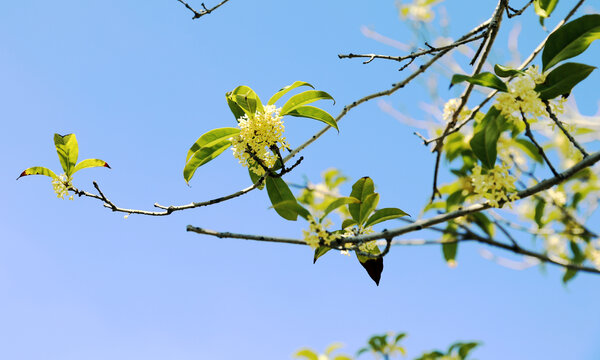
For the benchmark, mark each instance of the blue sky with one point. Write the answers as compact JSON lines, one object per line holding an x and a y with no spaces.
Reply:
{"x":138,"y":83}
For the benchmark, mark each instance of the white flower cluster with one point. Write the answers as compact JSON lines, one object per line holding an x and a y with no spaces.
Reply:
{"x":61,"y":186}
{"x":450,"y":108}
{"x":257,"y":137}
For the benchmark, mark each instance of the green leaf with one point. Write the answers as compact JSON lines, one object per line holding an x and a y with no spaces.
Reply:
{"x":342,"y":357}
{"x":337,"y":203}
{"x":465,"y":349}
{"x":210,"y":138}
{"x":90,"y":163}
{"x":67,"y":150}
{"x":254,"y":178}
{"x":312,"y":112}
{"x":320,"y":251}
{"x":202,"y":156}
{"x":279,"y":192}
{"x":348,"y":222}
{"x":530,"y":149}
{"x":505,"y":71}
{"x":307,"y":354}
{"x":333,"y":347}
{"x":384,"y":215}
{"x":539,"y":213}
{"x":246,"y":99}
{"x":284,"y":90}
{"x":237,"y":111}
{"x":304,"y":98}
{"x":569,"y":275}
{"x":360,"y":190}
{"x":485,"y":141}
{"x":544,"y":7}
{"x":562,"y":79}
{"x":570,"y":40}
{"x":291,"y":206}
{"x":38,"y":170}
{"x":367,"y":207}
{"x":485,"y":224}
{"x":374,"y":267}
{"x":450,"y":249}
{"x":486,"y":79}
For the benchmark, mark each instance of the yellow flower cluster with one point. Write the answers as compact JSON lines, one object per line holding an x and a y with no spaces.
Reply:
{"x":61,"y":186}
{"x":521,"y":96}
{"x":494,"y":185}
{"x":257,"y":136}
{"x":593,"y":254}
{"x":419,"y":10}
{"x":556,"y":246}
{"x":450,"y":108}
{"x":317,"y":233}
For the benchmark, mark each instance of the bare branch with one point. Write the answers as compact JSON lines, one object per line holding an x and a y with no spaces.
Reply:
{"x":204,"y":11}
{"x":562,"y":128}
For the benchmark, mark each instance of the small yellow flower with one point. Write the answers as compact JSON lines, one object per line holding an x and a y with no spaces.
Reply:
{"x":450,"y":108}
{"x":257,"y":137}
{"x":495,"y":185}
{"x":317,"y":233}
{"x":61,"y":186}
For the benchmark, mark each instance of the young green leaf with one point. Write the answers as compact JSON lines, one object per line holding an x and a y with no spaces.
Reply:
{"x":486,"y":79}
{"x":320,"y":251}
{"x":562,"y":79}
{"x":570,"y":40}
{"x":279,"y":192}
{"x":67,"y":150}
{"x":367,"y":207}
{"x":307,"y":354}
{"x":337,"y":203}
{"x":485,"y":141}
{"x":237,"y":111}
{"x":287,"y":89}
{"x":254,"y":178}
{"x":312,"y":112}
{"x":289,"y":206}
{"x":38,"y":170}
{"x":530,"y":149}
{"x":360,"y":190}
{"x":333,"y":347}
{"x":210,"y":138}
{"x":374,"y":266}
{"x":450,"y":249}
{"x":246,"y":99}
{"x":90,"y":163}
{"x":304,"y":98}
{"x":202,"y":156}
{"x":544,"y":7}
{"x":348,"y":222}
{"x":385,"y":214}
{"x":505,"y":71}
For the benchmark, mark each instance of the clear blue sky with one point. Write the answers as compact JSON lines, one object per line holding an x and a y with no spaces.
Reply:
{"x":138,"y":82}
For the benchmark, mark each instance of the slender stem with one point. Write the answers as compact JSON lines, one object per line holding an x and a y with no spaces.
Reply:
{"x":529,"y":134}
{"x":562,"y":128}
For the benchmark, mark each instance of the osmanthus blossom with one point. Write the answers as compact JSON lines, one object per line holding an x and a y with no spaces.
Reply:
{"x":522,"y":97}
{"x":418,"y":10}
{"x":450,"y":108}
{"x":317,"y":233}
{"x":61,"y":185}
{"x":496,"y":185}
{"x":258,"y":137}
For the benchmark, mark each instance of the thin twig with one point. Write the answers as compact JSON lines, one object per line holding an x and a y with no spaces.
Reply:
{"x":529,"y":134}
{"x":199,"y":14}
{"x":562,"y":128}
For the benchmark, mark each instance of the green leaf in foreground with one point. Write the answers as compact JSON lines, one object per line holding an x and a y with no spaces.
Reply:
{"x":544,"y":8}
{"x":287,"y":89}
{"x":562,"y":79}
{"x":304,"y":98}
{"x":320,"y":251}
{"x":505,"y":71}
{"x":38,"y":170}
{"x":279,"y":192}
{"x":67,"y":150}
{"x":337,"y":203}
{"x":90,"y":163}
{"x":202,"y":156}
{"x":385,"y":214}
{"x":210,"y":138}
{"x":570,"y":40}
{"x":291,"y":206}
{"x":374,"y":266}
{"x":360,"y":190}
{"x":486,"y":79}
{"x":485,"y":141}
{"x":312,"y":112}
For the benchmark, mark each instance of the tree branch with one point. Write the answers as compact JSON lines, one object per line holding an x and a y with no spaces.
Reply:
{"x":204,"y":11}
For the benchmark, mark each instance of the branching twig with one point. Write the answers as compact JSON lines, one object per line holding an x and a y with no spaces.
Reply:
{"x":529,"y":134}
{"x":204,"y":11}
{"x":562,"y":128}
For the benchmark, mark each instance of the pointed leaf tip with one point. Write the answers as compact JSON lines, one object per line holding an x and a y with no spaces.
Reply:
{"x":106,"y":165}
